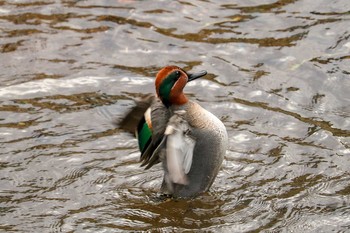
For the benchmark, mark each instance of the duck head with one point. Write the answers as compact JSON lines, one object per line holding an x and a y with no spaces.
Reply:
{"x":170,"y":82}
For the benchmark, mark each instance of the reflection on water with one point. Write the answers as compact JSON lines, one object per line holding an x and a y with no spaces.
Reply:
{"x":278,"y":79}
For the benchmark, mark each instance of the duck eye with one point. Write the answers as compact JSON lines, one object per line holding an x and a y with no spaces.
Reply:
{"x":174,"y":76}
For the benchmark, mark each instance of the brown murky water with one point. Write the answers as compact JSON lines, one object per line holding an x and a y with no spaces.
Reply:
{"x":278,"y":78}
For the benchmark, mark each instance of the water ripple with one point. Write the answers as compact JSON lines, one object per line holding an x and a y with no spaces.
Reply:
{"x":277,"y":78}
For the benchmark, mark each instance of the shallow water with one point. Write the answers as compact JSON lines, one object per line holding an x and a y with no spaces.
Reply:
{"x":278,"y":79}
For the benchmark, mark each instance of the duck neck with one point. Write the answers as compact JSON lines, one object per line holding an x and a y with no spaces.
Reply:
{"x":180,"y":99}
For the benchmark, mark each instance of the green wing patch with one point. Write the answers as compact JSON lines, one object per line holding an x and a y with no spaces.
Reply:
{"x":144,"y":135}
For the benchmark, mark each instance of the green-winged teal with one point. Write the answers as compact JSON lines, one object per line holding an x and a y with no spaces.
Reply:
{"x":189,"y":141}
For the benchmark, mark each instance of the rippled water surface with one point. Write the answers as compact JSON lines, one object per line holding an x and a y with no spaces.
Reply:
{"x":278,"y":79}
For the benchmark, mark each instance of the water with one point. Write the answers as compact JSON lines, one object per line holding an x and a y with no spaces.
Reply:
{"x":278,"y":79}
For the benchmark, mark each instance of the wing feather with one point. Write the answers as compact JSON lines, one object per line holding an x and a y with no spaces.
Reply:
{"x":159,"y":117}
{"x":179,"y":149}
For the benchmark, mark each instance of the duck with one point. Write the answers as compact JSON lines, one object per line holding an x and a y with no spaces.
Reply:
{"x":189,"y":141}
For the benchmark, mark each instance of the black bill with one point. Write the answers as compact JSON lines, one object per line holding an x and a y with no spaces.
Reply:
{"x":194,"y":76}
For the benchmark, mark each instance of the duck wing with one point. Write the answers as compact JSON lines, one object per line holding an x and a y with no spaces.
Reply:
{"x":179,"y":148}
{"x":150,"y":133}
{"x":135,"y":115}
{"x":161,"y":135}
{"x":148,"y":120}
